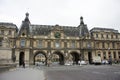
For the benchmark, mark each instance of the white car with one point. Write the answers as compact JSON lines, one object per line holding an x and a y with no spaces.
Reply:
{"x":104,"y":62}
{"x":83,"y":63}
{"x":69,"y":63}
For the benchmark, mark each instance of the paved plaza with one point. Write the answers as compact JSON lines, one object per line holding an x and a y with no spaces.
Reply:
{"x":22,"y":74}
{"x":76,"y":72}
{"x":89,"y":72}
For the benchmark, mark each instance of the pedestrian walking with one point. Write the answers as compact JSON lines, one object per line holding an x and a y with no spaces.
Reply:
{"x":23,"y":64}
{"x":78,"y":62}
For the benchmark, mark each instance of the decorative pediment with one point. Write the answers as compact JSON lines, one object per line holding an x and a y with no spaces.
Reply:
{"x":57,"y":28}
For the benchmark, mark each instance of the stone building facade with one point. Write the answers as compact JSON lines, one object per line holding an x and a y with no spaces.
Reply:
{"x":68,"y":42}
{"x":8,"y":32}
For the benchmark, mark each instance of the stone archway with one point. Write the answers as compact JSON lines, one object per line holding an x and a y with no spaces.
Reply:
{"x":60,"y":57}
{"x":40,"y":58}
{"x":75,"y":57}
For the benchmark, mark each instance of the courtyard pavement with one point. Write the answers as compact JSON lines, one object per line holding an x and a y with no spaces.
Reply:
{"x":22,"y":74}
{"x":57,"y":72}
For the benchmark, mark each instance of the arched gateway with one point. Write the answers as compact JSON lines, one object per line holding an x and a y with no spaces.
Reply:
{"x":60,"y":57}
{"x":40,"y":58}
{"x":75,"y":57}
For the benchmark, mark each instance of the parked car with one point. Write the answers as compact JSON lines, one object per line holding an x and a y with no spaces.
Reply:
{"x":69,"y":63}
{"x":97,"y":60}
{"x":105,"y":62}
{"x":83,"y":62}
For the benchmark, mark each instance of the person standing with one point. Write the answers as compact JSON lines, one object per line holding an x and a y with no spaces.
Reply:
{"x":79,"y":63}
{"x":23,"y":64}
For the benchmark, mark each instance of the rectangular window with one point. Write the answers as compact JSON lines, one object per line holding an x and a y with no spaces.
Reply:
{"x":111,"y":36}
{"x":96,"y":35}
{"x":2,"y":32}
{"x":116,"y":36}
{"x":103,"y":45}
{"x":49,"y":44}
{"x":0,"y":42}
{"x":65,"y":44}
{"x":40,"y":43}
{"x":108,"y":45}
{"x":102,"y":36}
{"x":107,"y":36}
{"x":109,"y":54}
{"x":114,"y":53}
{"x":113,"y":44}
{"x":57,"y":44}
{"x":97,"y":44}
{"x":10,"y":32}
{"x":73,"y":44}
{"x":104,"y":55}
{"x":22,"y":43}
{"x":119,"y":55}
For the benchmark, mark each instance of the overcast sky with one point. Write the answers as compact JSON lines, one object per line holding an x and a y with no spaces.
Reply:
{"x":96,"y":13}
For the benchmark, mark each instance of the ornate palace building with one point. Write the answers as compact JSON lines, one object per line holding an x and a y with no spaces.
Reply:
{"x":57,"y":43}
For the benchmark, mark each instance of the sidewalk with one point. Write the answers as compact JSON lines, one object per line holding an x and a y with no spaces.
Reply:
{"x":23,"y":74}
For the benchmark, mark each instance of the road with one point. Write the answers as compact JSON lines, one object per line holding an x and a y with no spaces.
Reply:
{"x":88,"y":72}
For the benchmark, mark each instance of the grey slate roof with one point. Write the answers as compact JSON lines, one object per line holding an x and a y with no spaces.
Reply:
{"x":46,"y":29}
{"x":71,"y":31}
{"x":97,"y":29}
{"x":8,"y":25}
{"x":40,"y":29}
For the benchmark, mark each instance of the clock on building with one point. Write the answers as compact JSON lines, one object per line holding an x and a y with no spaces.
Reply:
{"x":57,"y":34}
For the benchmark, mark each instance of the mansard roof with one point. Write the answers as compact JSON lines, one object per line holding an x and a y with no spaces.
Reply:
{"x":40,"y":29}
{"x":8,"y":25}
{"x":46,"y":29}
{"x":71,"y":31}
{"x":98,"y":29}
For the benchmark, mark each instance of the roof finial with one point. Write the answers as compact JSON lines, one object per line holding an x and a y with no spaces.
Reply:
{"x":27,"y":14}
{"x":81,"y":20}
{"x":27,"y":17}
